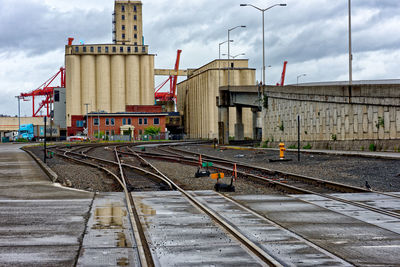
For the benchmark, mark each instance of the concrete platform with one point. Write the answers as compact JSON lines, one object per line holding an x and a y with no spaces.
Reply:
{"x":108,"y":237}
{"x":41,"y":224}
{"x":350,"y":233}
{"x":181,"y":235}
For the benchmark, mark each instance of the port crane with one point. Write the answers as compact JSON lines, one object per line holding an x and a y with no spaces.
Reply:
{"x":172,"y":79}
{"x":44,"y":90}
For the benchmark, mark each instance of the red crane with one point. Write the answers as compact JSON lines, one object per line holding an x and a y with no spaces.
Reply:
{"x":45,"y":90}
{"x":283,"y":75}
{"x":173,"y":79}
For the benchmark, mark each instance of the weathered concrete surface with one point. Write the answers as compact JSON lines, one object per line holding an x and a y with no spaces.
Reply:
{"x":181,"y":235}
{"x":41,"y":224}
{"x":108,"y":237}
{"x":372,"y":199}
{"x":286,"y":247}
{"x":357,"y":241}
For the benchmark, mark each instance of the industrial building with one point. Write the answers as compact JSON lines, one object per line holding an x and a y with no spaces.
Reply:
{"x":134,"y":120}
{"x":197,"y":98}
{"x":107,"y":77}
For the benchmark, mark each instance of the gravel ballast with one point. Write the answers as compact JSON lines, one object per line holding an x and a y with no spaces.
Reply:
{"x":381,"y":174}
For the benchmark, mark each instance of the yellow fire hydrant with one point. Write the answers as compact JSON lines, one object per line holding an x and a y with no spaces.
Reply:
{"x":282,"y":150}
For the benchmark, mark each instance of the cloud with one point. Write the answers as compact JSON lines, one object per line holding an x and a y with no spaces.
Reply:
{"x":311,"y":35}
{"x":35,"y":28}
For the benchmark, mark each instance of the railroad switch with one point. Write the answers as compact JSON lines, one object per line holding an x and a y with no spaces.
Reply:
{"x":220,"y":187}
{"x":202,"y":173}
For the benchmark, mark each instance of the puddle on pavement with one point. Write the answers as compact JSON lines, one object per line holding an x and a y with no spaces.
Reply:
{"x":123,"y":262}
{"x":146,"y":210}
{"x":109,"y":216}
{"x":121,"y":241}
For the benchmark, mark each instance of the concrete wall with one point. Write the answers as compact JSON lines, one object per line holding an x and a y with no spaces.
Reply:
{"x":107,"y":82}
{"x":334,"y":116}
{"x":197,"y":98}
{"x":129,"y":10}
{"x":11,"y":123}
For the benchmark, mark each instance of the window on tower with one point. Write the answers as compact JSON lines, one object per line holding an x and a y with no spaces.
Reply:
{"x":134,"y":8}
{"x":135,"y":17}
{"x":123,"y":8}
{"x":123,"y":17}
{"x":123,"y":36}
{"x":123,"y":27}
{"x":135,"y":36}
{"x":135,"y":27}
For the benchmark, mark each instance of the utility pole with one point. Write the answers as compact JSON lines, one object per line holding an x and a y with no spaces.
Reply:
{"x":19,"y":115}
{"x":87,"y":120}
{"x":350,"y":52}
{"x":44,"y":143}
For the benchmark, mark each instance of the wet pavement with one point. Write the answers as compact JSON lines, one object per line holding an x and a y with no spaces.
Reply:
{"x":108,"y":237}
{"x":351,"y":233}
{"x":41,"y":224}
{"x":179,"y":234}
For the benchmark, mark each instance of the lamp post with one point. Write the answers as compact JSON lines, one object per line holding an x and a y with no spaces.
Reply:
{"x":298,"y":76}
{"x":350,"y":53}
{"x":219,"y":62}
{"x":87,"y":120}
{"x":229,"y":30}
{"x":263,"y":10}
{"x":19,"y":115}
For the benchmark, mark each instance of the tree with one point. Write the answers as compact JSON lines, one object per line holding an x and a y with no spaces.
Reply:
{"x":152,"y":130}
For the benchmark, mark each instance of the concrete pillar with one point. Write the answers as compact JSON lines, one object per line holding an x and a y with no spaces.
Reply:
{"x":254,"y":124}
{"x":239,"y":128}
{"x":223,"y":125}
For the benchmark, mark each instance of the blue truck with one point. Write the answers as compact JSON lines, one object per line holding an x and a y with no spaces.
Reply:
{"x":34,"y":132}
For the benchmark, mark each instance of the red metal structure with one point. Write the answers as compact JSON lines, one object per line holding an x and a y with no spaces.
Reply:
{"x":47,"y":91}
{"x":171,"y":95}
{"x":283,"y":74}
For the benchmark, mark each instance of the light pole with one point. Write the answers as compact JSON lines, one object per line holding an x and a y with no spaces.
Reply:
{"x":219,"y":62}
{"x":229,"y":64}
{"x":87,"y":120}
{"x":263,"y":10}
{"x":298,"y":76}
{"x":19,"y":115}
{"x":350,"y":53}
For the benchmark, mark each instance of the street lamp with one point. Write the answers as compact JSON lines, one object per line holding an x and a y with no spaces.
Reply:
{"x":301,"y":75}
{"x":350,"y":53}
{"x":229,"y":30}
{"x":19,"y":115}
{"x":219,"y":61}
{"x":263,"y":10}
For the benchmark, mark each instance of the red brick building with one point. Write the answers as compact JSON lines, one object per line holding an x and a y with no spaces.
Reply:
{"x":120,"y":123}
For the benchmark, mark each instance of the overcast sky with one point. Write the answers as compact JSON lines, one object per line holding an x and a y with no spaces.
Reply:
{"x":312,"y":35}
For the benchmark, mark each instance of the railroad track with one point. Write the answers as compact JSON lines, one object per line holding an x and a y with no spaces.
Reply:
{"x":117,"y":169}
{"x":286,"y":182}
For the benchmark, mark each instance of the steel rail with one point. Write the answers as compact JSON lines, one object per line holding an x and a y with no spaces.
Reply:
{"x":254,"y":248}
{"x":144,"y":258}
{"x":141,"y":243}
{"x":297,"y":190}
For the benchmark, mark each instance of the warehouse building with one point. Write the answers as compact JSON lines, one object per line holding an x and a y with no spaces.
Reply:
{"x":107,"y":77}
{"x":197,"y":98}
